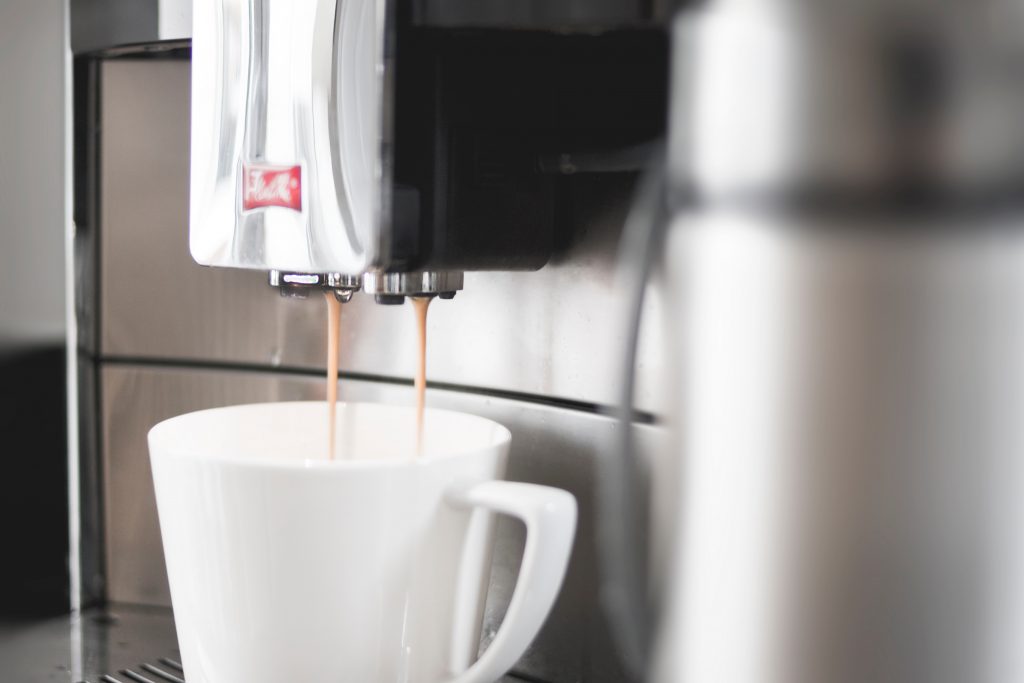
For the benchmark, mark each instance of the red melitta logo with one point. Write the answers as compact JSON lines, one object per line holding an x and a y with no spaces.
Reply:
{"x":265,"y":185}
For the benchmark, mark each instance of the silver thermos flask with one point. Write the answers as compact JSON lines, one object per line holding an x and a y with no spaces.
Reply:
{"x":843,"y":262}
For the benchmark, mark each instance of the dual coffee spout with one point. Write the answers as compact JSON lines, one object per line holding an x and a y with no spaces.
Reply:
{"x":387,"y":288}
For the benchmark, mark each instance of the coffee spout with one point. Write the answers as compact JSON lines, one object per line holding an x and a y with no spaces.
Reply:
{"x":392,"y":288}
{"x":301,"y":285}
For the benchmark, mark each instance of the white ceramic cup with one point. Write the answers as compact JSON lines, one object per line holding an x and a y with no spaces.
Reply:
{"x":368,"y":568}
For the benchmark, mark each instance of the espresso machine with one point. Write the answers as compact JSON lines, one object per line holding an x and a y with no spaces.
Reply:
{"x":236,"y":159}
{"x":313,"y":154}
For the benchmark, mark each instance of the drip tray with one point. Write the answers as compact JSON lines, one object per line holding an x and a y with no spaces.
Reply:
{"x":164,"y":671}
{"x":116,"y":644}
{"x":169,"y":671}
{"x":94,"y":647}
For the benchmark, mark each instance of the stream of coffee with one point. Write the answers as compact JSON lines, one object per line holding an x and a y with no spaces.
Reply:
{"x":421,"y":304}
{"x":333,"y":334}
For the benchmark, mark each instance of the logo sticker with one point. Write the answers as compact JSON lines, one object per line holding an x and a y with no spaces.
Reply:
{"x":265,"y":186}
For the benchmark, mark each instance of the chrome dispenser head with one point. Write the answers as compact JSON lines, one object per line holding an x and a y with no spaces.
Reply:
{"x":290,"y":146}
{"x":300,"y":163}
{"x":392,"y":288}
{"x":301,"y":285}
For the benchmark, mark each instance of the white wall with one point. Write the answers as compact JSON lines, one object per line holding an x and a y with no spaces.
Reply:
{"x":32,"y":169}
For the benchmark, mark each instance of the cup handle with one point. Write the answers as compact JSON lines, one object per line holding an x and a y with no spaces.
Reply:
{"x":550,"y":518}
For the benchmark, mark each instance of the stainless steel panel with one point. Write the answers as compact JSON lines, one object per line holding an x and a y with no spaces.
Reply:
{"x":105,"y":24}
{"x":174,"y":19}
{"x":133,"y":401}
{"x":102,"y":24}
{"x":146,"y":271}
{"x":550,"y":445}
{"x":552,"y":333}
{"x":87,"y":551}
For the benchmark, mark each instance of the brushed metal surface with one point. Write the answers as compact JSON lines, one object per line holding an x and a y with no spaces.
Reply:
{"x":174,"y":19}
{"x":133,"y":401}
{"x":108,"y":24}
{"x":103,"y":24}
{"x":552,"y":333}
{"x":550,"y":445}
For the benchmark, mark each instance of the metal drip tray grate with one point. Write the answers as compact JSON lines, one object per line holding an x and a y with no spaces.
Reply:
{"x":169,"y":671}
{"x":164,"y":671}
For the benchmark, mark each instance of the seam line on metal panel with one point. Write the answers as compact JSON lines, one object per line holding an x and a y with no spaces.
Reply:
{"x":641,"y":417}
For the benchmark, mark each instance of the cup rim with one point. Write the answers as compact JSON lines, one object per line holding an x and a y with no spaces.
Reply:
{"x":501,"y":440}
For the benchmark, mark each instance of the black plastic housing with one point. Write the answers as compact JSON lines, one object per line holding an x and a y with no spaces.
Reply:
{"x":477,"y":112}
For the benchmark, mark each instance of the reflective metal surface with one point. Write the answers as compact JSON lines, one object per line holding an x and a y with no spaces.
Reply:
{"x":411,"y":284}
{"x":101,"y":25}
{"x":301,"y":285}
{"x":174,"y":19}
{"x":553,"y":446}
{"x":110,"y":24}
{"x":290,"y":151}
{"x":72,"y":649}
{"x":552,"y":333}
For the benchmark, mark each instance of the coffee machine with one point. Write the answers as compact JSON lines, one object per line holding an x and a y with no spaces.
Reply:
{"x":320,"y":156}
{"x":377,"y":151}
